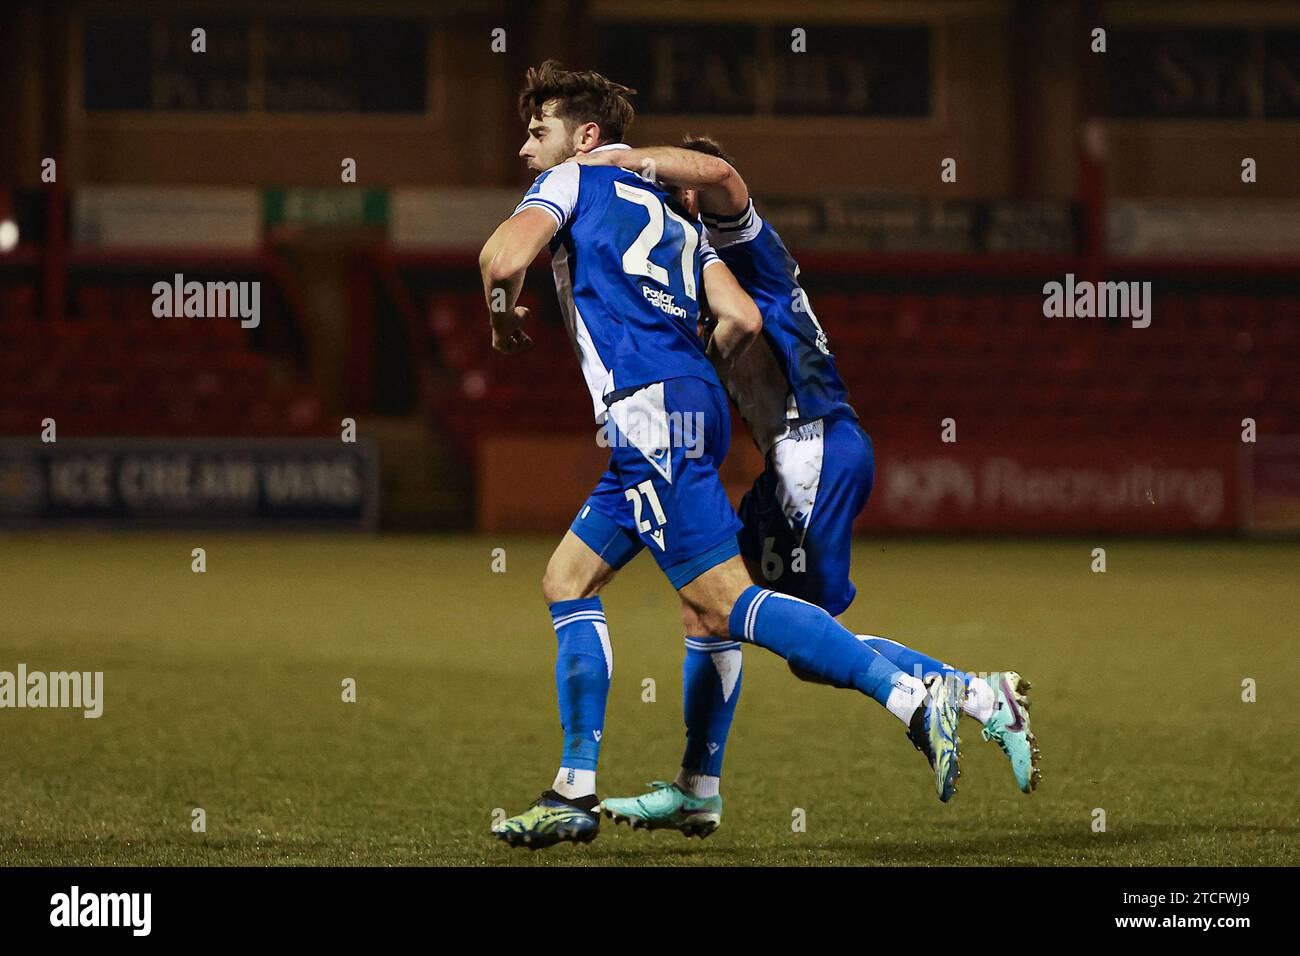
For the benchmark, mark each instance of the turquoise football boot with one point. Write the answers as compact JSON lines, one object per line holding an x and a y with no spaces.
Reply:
{"x":666,"y":807}
{"x":1009,"y":728}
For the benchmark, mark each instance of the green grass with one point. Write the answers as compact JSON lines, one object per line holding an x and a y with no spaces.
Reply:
{"x":223,"y":692}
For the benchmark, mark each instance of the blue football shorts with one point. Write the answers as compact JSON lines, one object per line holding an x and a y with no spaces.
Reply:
{"x":661,"y":490}
{"x":798,"y":517}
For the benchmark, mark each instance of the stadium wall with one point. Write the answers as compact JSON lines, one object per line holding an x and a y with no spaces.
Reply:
{"x":1011,"y":122}
{"x":1096,"y":485}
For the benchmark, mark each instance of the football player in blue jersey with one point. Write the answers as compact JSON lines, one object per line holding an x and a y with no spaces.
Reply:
{"x":632,"y":271}
{"x":798,"y":517}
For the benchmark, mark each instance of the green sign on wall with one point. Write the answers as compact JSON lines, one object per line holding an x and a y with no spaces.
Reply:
{"x":342,"y":206}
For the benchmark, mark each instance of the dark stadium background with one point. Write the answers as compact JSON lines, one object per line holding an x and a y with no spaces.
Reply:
{"x":1175,"y":447}
{"x":1124,"y":165}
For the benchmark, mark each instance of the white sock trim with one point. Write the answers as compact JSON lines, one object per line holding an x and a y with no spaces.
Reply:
{"x":572,"y":783}
{"x":698,"y":784}
{"x":979,"y":700}
{"x":908,"y":694}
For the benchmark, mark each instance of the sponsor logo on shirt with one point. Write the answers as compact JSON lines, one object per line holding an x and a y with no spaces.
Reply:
{"x":663,"y":301}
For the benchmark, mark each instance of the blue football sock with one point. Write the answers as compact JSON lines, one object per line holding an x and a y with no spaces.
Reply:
{"x":583,"y":666}
{"x":912,"y":662}
{"x":812,"y":640}
{"x":711,"y":678}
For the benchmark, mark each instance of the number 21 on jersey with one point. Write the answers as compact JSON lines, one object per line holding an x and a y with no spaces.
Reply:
{"x":636,"y":258}
{"x":633,"y":495}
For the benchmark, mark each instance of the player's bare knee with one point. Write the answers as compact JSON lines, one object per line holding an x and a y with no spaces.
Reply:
{"x":560,"y":584}
{"x":691,"y":624}
{"x":719,"y":626}
{"x":569,"y":581}
{"x":713,"y":621}
{"x":714,"y":593}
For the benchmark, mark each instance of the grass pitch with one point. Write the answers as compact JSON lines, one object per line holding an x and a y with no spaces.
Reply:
{"x":223,"y":692}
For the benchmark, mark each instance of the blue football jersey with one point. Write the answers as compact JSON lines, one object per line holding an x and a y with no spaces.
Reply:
{"x":628,"y":265}
{"x":795,"y":378}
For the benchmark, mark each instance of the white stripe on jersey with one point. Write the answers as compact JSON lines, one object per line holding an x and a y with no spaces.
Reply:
{"x":599,"y":379}
{"x":707,"y":256}
{"x":556,"y":191}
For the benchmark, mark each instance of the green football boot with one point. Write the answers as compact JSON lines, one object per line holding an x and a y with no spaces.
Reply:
{"x":933,"y":731}
{"x":666,"y":807}
{"x":1009,"y":728}
{"x":550,"y":820}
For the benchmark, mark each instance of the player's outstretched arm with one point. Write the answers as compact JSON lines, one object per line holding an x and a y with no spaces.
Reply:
{"x":504,"y":259}
{"x":721,"y":190}
{"x":738,"y":321}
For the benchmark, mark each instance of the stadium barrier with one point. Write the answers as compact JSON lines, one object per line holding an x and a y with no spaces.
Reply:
{"x":226,"y":483}
{"x":1093,"y":484}
{"x":1088,"y":485}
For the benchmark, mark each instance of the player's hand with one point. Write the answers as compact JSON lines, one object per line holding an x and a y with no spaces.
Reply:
{"x":508,"y":336}
{"x":606,"y":157}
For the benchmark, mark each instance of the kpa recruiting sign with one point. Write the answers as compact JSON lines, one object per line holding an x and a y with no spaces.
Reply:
{"x":306,"y":482}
